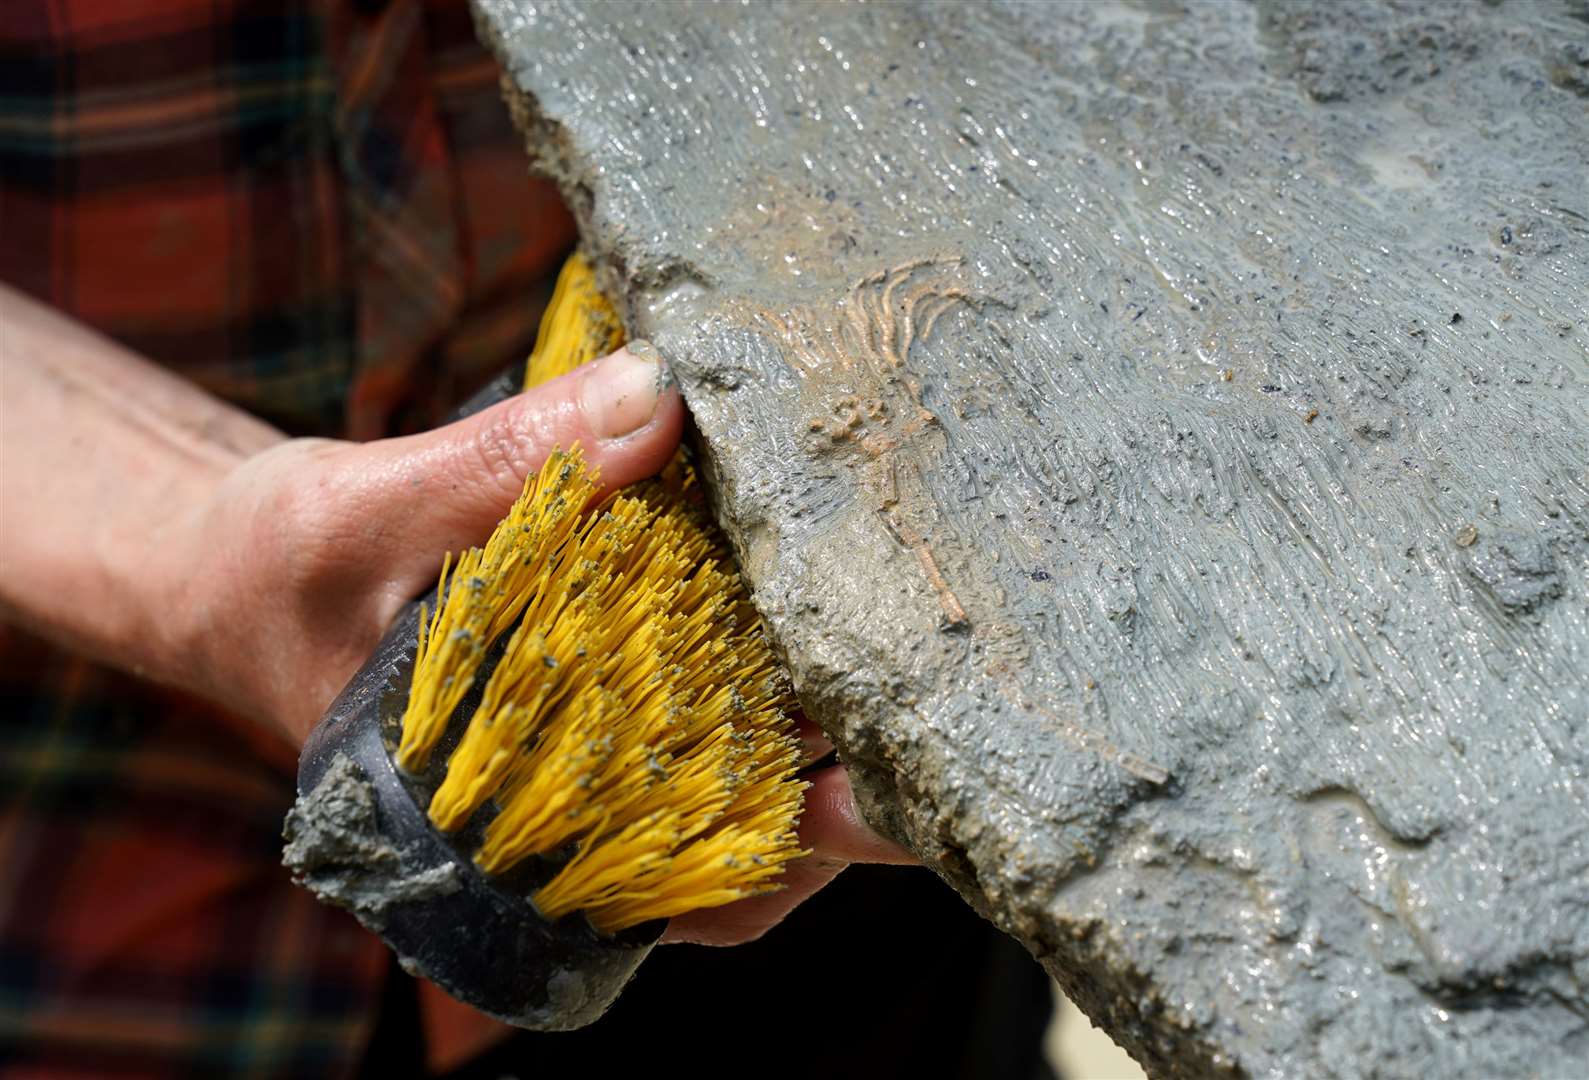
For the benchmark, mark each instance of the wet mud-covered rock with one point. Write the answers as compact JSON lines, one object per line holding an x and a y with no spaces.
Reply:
{"x":1158,"y":438}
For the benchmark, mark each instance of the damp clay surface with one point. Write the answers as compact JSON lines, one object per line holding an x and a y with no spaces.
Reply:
{"x":1158,"y":438}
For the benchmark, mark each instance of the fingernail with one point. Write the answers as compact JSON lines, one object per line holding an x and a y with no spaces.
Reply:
{"x":621,"y":392}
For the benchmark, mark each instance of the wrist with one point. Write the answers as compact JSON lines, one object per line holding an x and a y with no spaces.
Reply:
{"x":203,"y":622}
{"x":243,"y":608}
{"x":155,"y":577}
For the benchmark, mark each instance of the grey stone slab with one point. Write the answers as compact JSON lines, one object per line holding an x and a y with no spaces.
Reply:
{"x":1156,"y":435}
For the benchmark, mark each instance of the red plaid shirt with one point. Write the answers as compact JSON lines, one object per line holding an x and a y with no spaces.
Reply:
{"x":318,"y":210}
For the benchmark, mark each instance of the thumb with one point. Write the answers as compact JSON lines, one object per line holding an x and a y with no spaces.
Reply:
{"x":446,"y":489}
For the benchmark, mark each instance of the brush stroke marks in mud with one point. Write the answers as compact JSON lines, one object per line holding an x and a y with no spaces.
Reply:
{"x":1155,"y":435}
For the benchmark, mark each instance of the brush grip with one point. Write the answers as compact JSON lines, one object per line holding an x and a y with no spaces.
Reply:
{"x":358,"y":837}
{"x":501,"y":388}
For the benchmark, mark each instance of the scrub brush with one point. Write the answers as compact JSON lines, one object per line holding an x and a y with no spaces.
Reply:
{"x":585,"y":735}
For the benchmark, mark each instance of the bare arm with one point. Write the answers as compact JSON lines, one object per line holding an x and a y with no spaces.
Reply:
{"x":97,"y":447}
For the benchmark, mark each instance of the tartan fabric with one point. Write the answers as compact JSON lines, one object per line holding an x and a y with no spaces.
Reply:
{"x":145,"y":926}
{"x":316,"y":209}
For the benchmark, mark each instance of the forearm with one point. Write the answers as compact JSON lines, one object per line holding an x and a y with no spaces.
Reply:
{"x":100,"y":452}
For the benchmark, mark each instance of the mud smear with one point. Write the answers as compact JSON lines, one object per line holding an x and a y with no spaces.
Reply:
{"x":1156,"y":436}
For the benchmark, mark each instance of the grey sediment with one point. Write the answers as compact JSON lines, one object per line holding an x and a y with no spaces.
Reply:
{"x":1157,"y":437}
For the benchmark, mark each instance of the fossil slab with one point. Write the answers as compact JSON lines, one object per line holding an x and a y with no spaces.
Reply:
{"x":1158,"y":438}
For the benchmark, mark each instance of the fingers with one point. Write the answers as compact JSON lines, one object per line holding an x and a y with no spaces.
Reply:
{"x":323,"y":541}
{"x":814,"y":742}
{"x":832,"y":828}
{"x":747,"y":920}
{"x":449,"y":487}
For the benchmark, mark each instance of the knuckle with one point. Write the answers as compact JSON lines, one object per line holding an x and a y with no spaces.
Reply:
{"x":302,"y":511}
{"x":315,"y":520}
{"x":504,"y":449}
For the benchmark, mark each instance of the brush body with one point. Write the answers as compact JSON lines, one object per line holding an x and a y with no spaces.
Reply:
{"x":359,"y":837}
{"x":586,"y":735}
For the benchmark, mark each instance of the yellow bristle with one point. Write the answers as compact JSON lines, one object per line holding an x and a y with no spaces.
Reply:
{"x":634,"y":729}
{"x":487,"y":591}
{"x":578,"y":326}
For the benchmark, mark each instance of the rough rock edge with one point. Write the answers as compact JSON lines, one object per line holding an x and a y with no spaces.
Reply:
{"x":1114,"y":995}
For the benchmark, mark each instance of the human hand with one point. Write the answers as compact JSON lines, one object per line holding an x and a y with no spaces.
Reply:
{"x":156,"y":528}
{"x":281,"y":582}
{"x":831,"y":827}
{"x":322,"y":542}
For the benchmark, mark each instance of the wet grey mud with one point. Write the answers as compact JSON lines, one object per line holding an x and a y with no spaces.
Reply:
{"x":1157,"y":436}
